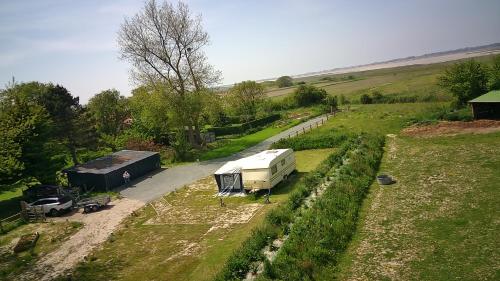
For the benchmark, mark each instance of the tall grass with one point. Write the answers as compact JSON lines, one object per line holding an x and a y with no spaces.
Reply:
{"x":318,"y":238}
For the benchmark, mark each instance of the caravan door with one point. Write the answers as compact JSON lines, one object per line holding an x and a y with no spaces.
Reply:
{"x":231,"y":182}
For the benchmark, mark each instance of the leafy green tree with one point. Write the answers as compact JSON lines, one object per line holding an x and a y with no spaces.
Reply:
{"x":306,"y":95}
{"x":465,"y":80}
{"x":150,"y":112}
{"x":28,"y":134}
{"x":494,"y":83}
{"x":109,"y":110}
{"x":332,"y":103}
{"x":245,"y":97}
{"x":71,"y":128}
{"x":284,"y":81}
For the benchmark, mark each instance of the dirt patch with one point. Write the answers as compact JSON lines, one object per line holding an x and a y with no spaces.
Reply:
{"x":97,"y":228}
{"x":453,"y":128}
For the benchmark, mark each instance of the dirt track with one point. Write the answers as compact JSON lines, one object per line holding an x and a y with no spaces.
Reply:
{"x":97,"y":227}
{"x":453,"y":128}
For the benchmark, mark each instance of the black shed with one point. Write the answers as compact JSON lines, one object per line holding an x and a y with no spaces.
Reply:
{"x":106,"y":173}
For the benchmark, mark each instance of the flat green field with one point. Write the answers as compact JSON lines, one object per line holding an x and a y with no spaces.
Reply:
{"x":411,"y":80}
{"x":186,"y":235}
{"x":440,"y":221}
{"x":231,"y":146}
{"x":377,"y":118}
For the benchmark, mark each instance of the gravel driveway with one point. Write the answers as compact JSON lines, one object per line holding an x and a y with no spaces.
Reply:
{"x":157,"y":184}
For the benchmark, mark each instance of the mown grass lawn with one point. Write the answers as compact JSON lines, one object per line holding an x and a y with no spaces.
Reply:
{"x":232,"y":146}
{"x":10,"y":199}
{"x":439,"y":221}
{"x":180,"y":237}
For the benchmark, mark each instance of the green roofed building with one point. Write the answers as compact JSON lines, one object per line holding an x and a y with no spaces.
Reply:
{"x":486,"y":106}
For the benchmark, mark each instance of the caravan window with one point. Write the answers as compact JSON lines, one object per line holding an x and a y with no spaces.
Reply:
{"x":274,"y":169}
{"x":283,"y":162}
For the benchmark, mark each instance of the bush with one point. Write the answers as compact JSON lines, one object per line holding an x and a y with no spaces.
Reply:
{"x":242,"y":128}
{"x":312,"y":141}
{"x":323,"y":233}
{"x":284,"y":81}
{"x":365,"y":99}
{"x":306,"y":95}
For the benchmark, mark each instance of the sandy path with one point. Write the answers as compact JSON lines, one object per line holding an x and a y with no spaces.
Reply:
{"x":97,"y":227}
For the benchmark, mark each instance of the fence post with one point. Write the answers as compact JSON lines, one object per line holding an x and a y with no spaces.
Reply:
{"x":303,"y":129}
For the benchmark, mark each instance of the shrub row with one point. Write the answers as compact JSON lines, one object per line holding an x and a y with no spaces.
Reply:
{"x":322,"y":234}
{"x":441,"y":113}
{"x":242,"y":128}
{"x":277,"y":220}
{"x":312,"y":140}
{"x":377,"y":97}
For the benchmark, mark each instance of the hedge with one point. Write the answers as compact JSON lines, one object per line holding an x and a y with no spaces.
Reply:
{"x":321,"y":234}
{"x":242,"y":128}
{"x":278,"y":219}
{"x":317,"y":240}
{"x":313,"y":141}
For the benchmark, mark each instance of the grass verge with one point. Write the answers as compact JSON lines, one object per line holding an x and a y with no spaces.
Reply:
{"x":439,"y":221}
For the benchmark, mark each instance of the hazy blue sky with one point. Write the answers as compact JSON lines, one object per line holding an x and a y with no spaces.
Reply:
{"x":73,"y":43}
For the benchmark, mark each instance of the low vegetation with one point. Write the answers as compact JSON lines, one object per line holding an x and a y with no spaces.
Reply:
{"x":319,"y":237}
{"x":278,"y":221}
{"x":52,"y":235}
{"x":186,"y":235}
{"x":438,"y":221}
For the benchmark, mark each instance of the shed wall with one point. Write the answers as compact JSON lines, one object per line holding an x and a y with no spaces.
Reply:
{"x":114,"y":178}
{"x":486,"y":110}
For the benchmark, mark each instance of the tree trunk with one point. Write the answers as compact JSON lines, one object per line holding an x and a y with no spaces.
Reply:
{"x":191,"y":137}
{"x":72,"y":151}
{"x":197,"y":135}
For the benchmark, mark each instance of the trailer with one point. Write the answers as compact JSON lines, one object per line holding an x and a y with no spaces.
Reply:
{"x":93,"y":204}
{"x":263,"y":170}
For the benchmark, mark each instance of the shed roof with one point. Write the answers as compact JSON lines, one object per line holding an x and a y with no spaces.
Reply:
{"x":493,"y":96}
{"x":108,"y":163}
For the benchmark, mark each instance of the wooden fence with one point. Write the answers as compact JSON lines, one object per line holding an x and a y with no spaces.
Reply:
{"x":11,"y":222}
{"x":310,"y":127}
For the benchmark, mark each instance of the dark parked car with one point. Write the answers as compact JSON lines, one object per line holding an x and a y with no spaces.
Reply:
{"x":43,"y":191}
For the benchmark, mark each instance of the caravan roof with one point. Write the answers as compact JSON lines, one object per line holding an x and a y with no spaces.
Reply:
{"x":261,"y":160}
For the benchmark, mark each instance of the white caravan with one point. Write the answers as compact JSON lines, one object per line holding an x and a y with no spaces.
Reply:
{"x":263,"y":170}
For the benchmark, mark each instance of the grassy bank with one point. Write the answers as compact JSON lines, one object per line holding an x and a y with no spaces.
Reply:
{"x":52,"y":235}
{"x":439,"y":221}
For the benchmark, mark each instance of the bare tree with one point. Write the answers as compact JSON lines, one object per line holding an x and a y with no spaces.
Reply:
{"x":165,"y":45}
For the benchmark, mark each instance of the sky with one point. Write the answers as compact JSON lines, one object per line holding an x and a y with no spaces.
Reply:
{"x":73,"y":43}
